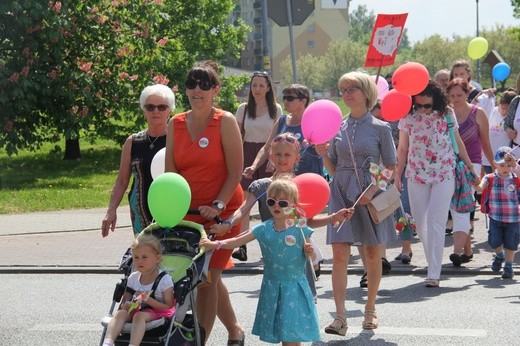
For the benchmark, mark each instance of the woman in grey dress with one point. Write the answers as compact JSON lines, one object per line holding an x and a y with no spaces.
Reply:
{"x":361,"y":140}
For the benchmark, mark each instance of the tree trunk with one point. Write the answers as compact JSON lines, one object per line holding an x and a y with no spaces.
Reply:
{"x":72,"y":151}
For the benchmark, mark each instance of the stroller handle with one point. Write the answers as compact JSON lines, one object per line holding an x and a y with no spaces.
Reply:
{"x":217,"y":219}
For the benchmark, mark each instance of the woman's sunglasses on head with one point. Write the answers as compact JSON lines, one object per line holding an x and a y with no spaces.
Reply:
{"x":282,"y":203}
{"x":203,"y":84}
{"x":151,"y":107}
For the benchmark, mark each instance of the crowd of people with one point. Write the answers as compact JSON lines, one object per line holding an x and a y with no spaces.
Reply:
{"x":232,"y":161}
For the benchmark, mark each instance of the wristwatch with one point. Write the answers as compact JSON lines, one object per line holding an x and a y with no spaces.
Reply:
{"x":219,"y":205}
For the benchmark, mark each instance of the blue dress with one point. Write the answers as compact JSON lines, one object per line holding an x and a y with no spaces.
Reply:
{"x":286,"y":309}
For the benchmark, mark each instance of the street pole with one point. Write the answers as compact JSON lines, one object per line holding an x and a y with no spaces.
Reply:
{"x":478,"y":60}
{"x":291,"y":40}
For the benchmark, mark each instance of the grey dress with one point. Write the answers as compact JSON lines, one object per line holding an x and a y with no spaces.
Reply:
{"x":371,"y":141}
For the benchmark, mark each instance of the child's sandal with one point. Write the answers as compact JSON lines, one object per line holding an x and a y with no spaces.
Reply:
{"x":338,"y":326}
{"x":370,"y":321}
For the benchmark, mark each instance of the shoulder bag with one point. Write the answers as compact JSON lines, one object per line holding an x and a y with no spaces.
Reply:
{"x":385,"y":203}
{"x":462,"y":200}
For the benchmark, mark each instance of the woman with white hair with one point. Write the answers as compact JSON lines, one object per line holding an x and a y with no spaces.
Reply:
{"x":157,"y":103}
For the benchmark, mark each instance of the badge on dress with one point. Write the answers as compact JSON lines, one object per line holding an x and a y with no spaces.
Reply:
{"x":511,"y":188}
{"x":290,"y":240}
{"x":297,"y":135}
{"x":203,"y":142}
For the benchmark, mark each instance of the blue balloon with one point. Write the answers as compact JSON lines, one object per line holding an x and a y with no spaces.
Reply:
{"x":501,"y":71}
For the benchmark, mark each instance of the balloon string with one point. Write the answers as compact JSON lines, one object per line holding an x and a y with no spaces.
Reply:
{"x":357,"y":201}
{"x":249,"y":206}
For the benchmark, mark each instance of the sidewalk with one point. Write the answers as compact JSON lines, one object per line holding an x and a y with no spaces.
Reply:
{"x":70,"y":241}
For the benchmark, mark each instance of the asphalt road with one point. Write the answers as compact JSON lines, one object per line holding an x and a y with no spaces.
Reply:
{"x":65,"y":309}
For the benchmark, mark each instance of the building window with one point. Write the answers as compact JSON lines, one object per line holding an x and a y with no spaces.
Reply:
{"x":310,"y":28}
{"x":310,"y":44}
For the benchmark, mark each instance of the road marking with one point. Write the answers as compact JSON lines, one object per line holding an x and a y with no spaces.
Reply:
{"x":475,"y":333}
{"x":51,"y":327}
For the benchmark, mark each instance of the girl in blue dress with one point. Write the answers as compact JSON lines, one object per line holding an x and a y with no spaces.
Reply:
{"x":286,"y":311}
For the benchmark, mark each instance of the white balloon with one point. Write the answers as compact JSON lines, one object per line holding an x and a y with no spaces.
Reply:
{"x":157,"y":166}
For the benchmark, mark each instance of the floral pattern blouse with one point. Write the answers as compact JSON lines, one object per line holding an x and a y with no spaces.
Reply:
{"x":431,"y":158}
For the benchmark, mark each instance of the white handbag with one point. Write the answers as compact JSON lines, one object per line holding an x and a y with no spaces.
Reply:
{"x":384,"y":204}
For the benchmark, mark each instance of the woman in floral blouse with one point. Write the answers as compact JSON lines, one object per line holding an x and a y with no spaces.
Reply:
{"x":425,"y":144}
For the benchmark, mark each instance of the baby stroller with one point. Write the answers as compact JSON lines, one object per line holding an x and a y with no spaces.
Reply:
{"x":188,"y":266}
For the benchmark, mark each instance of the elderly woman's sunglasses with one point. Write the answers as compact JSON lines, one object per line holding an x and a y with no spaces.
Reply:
{"x":203,"y":84}
{"x":151,"y":107}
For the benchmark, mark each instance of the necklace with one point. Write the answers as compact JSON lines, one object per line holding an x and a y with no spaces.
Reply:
{"x":149,"y":140}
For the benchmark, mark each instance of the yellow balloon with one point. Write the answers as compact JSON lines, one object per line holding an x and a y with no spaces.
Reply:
{"x":477,"y":48}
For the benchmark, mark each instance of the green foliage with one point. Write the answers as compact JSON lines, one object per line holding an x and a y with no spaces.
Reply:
{"x":76,"y":68}
{"x":227,"y":98}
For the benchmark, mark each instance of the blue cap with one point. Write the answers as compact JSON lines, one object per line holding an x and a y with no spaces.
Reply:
{"x":501,"y":153}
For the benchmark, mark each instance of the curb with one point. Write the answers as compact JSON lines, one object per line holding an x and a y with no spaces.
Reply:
{"x":238,"y":269}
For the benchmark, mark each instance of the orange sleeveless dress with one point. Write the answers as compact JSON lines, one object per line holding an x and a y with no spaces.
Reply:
{"x":202,"y":164}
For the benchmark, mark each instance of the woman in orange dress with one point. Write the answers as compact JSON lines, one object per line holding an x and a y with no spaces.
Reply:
{"x":205,"y":147}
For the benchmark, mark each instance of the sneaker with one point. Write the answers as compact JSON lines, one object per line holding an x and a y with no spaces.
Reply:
{"x":465,"y":258}
{"x":497,"y":263}
{"x":508,"y":272}
{"x":387,"y":267}
{"x":406,"y":259}
{"x":456,"y":260}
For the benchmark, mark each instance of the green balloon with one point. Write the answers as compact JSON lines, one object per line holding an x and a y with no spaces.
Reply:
{"x":169,"y":199}
{"x":477,"y":48}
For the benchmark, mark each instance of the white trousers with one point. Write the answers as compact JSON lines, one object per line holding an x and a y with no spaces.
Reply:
{"x":429,"y":205}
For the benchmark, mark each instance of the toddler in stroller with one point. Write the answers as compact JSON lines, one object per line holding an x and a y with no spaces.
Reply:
{"x":155,"y":300}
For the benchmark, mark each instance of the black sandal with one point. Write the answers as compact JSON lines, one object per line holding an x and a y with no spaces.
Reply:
{"x":239,"y":342}
{"x":364,"y":281}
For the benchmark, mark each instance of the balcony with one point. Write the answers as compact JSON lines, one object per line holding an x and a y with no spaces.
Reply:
{"x":257,"y":21}
{"x":257,"y":51}
{"x":257,"y":5}
{"x":257,"y":37}
{"x":237,"y":9}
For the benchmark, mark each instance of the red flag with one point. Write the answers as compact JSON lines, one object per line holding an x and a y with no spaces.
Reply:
{"x":386,"y":35}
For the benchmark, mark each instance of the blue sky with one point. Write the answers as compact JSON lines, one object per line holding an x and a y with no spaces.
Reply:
{"x":444,"y":17}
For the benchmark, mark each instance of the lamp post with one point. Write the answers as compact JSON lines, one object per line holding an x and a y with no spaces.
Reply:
{"x":478,"y":60}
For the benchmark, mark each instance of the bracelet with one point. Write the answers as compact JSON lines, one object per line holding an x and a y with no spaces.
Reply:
{"x":219,"y":245}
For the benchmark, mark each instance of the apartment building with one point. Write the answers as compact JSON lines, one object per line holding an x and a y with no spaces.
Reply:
{"x":268,"y":43}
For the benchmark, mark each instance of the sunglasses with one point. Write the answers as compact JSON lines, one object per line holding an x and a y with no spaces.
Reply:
{"x":350,"y":90}
{"x":282,"y":203}
{"x":203,"y":85}
{"x":286,"y":138}
{"x":151,"y":107}
{"x":290,"y":98}
{"x":260,"y":73}
{"x":426,"y":106}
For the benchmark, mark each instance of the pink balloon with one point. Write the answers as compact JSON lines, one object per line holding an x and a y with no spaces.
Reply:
{"x":321,"y":121}
{"x":382,"y":86}
{"x":410,"y":78}
{"x":395,"y":105}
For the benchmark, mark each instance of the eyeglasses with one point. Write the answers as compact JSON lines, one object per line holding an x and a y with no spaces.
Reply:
{"x":290,"y":98}
{"x":282,"y":203}
{"x":350,"y":90}
{"x":151,"y":107}
{"x":286,"y":138}
{"x":425,"y":106}
{"x":203,"y":85}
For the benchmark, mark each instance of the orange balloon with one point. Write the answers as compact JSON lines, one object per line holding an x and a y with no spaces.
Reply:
{"x":410,"y":78}
{"x":395,"y":105}
{"x":313,"y":193}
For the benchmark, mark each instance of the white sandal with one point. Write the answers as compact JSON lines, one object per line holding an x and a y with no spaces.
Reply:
{"x":338,"y":326}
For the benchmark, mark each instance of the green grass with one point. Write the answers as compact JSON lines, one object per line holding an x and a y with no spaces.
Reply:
{"x":43,"y":181}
